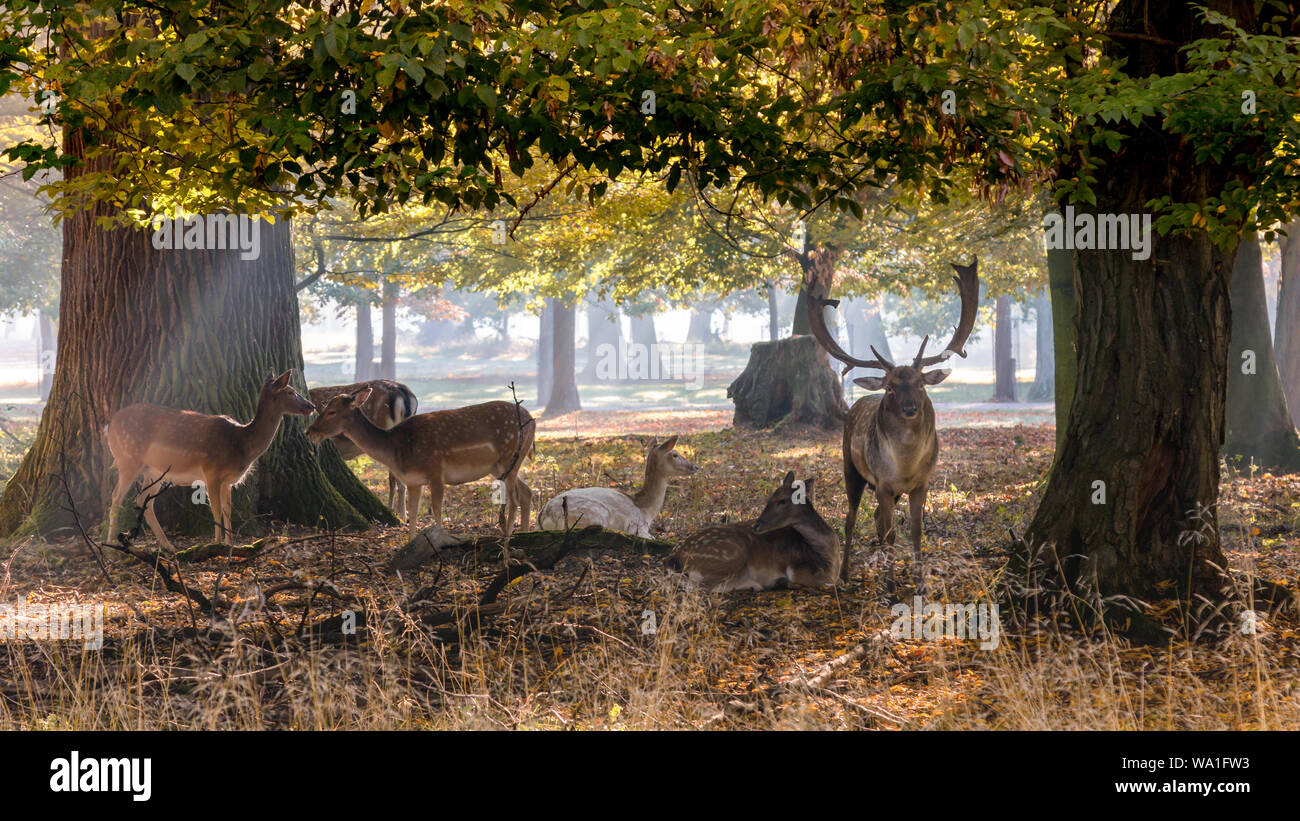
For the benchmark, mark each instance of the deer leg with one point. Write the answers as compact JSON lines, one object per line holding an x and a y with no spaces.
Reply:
{"x":854,"y":484}
{"x":525,"y":497}
{"x":227,"y":509}
{"x":213,"y":487}
{"x":146,"y":499}
{"x":885,"y":517}
{"x":413,"y":506}
{"x":124,"y":482}
{"x":435,"y":502}
{"x":915,"y":510}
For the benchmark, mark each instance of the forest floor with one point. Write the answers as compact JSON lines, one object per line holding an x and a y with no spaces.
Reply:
{"x":609,"y":639}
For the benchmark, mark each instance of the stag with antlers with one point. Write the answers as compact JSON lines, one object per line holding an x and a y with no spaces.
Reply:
{"x":890,"y":442}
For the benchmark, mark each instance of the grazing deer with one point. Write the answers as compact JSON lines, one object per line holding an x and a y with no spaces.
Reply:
{"x":182,"y":447}
{"x":890,"y":444}
{"x":789,"y":543}
{"x":613,"y":509}
{"x":448,"y":447}
{"x":389,"y":403}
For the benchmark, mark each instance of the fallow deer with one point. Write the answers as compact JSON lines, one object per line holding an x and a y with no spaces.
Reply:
{"x":613,"y":509}
{"x":448,"y":447}
{"x":789,"y":543}
{"x":890,"y":444}
{"x":390,"y":402}
{"x":182,"y":447}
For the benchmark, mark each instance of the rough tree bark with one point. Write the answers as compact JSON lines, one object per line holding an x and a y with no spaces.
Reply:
{"x":1044,"y":387}
{"x":1258,"y":424}
{"x":365,"y":358}
{"x":790,"y":381}
{"x":1287,"y":333}
{"x":1130,"y":506}
{"x":192,"y":329}
{"x":1060,"y":273}
{"x":564,"y":383}
{"x":1004,"y":367}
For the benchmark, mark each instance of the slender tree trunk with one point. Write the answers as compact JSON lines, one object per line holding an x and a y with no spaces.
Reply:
{"x":1044,"y":387}
{"x":564,"y":388}
{"x":1287,"y":334}
{"x":1060,"y":273}
{"x":365,"y":357}
{"x":1004,"y":367}
{"x":773,"y":314}
{"x":388,"y":354}
{"x":604,"y":333}
{"x":46,"y":353}
{"x":1259,"y":426}
{"x":701,"y":327}
{"x":545,"y":353}
{"x":645,"y":359}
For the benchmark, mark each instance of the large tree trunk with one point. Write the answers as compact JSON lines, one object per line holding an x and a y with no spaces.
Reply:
{"x":645,"y":360}
{"x":191,"y":329}
{"x":1287,"y":334}
{"x":1044,"y":387}
{"x":773,"y":314}
{"x":365,"y":357}
{"x":1259,"y":427}
{"x":388,"y":353}
{"x":1060,"y":274}
{"x":864,"y":329}
{"x":545,"y":353}
{"x":564,"y":385}
{"x":1004,"y":367}
{"x":701,"y":327}
{"x":46,"y":353}
{"x":604,"y":335}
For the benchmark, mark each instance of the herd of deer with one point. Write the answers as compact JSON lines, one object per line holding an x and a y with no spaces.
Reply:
{"x":889,"y":445}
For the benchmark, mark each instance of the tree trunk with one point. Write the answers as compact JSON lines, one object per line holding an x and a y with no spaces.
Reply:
{"x":1060,"y":273}
{"x":604,"y":335}
{"x":46,"y":353}
{"x":1004,"y":367}
{"x":701,"y":327}
{"x":645,"y":359}
{"x":864,"y":329}
{"x":193,"y":329}
{"x":787,"y":382}
{"x":1287,"y":334}
{"x":1044,"y":387}
{"x":388,"y":353}
{"x":365,"y":358}
{"x":1259,"y":426}
{"x":773,"y":314}
{"x":545,"y":353}
{"x":564,"y":387}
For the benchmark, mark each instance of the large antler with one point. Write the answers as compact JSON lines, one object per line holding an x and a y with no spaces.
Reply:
{"x":817,"y":323}
{"x":968,"y":286}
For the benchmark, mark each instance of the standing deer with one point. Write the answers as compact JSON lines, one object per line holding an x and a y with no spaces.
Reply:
{"x":389,"y":403}
{"x":448,"y":447}
{"x":890,"y":444}
{"x":789,"y":543}
{"x":181,"y":447}
{"x":613,"y":509}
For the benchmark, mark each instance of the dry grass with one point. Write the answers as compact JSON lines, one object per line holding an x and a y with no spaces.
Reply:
{"x":569,"y":651}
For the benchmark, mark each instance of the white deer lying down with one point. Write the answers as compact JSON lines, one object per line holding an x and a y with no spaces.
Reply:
{"x":613,"y":509}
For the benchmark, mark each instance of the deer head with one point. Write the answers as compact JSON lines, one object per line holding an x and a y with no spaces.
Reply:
{"x":278,"y":395}
{"x":336,"y":413}
{"x":904,"y":385}
{"x":662,"y":460}
{"x":789,"y":504}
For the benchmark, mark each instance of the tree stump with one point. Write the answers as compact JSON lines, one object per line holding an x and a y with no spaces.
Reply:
{"x":788,"y":381}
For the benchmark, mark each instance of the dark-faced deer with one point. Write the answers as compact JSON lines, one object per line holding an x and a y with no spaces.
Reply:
{"x":389,"y":403}
{"x":890,"y":444}
{"x":448,"y":447}
{"x":613,"y":509}
{"x":789,"y":543}
{"x":182,"y":447}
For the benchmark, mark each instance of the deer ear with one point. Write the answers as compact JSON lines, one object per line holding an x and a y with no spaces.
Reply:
{"x":654,"y":443}
{"x":788,"y":480}
{"x":935,"y":377}
{"x":283,"y":379}
{"x":360,"y":397}
{"x":669,"y":443}
{"x":871,"y":383}
{"x":808,"y":487}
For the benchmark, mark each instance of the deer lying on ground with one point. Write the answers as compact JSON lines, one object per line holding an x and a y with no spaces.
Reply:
{"x":789,"y":543}
{"x":890,"y":444}
{"x":613,"y":509}
{"x":389,"y":403}
{"x":182,"y":447}
{"x":448,"y":447}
